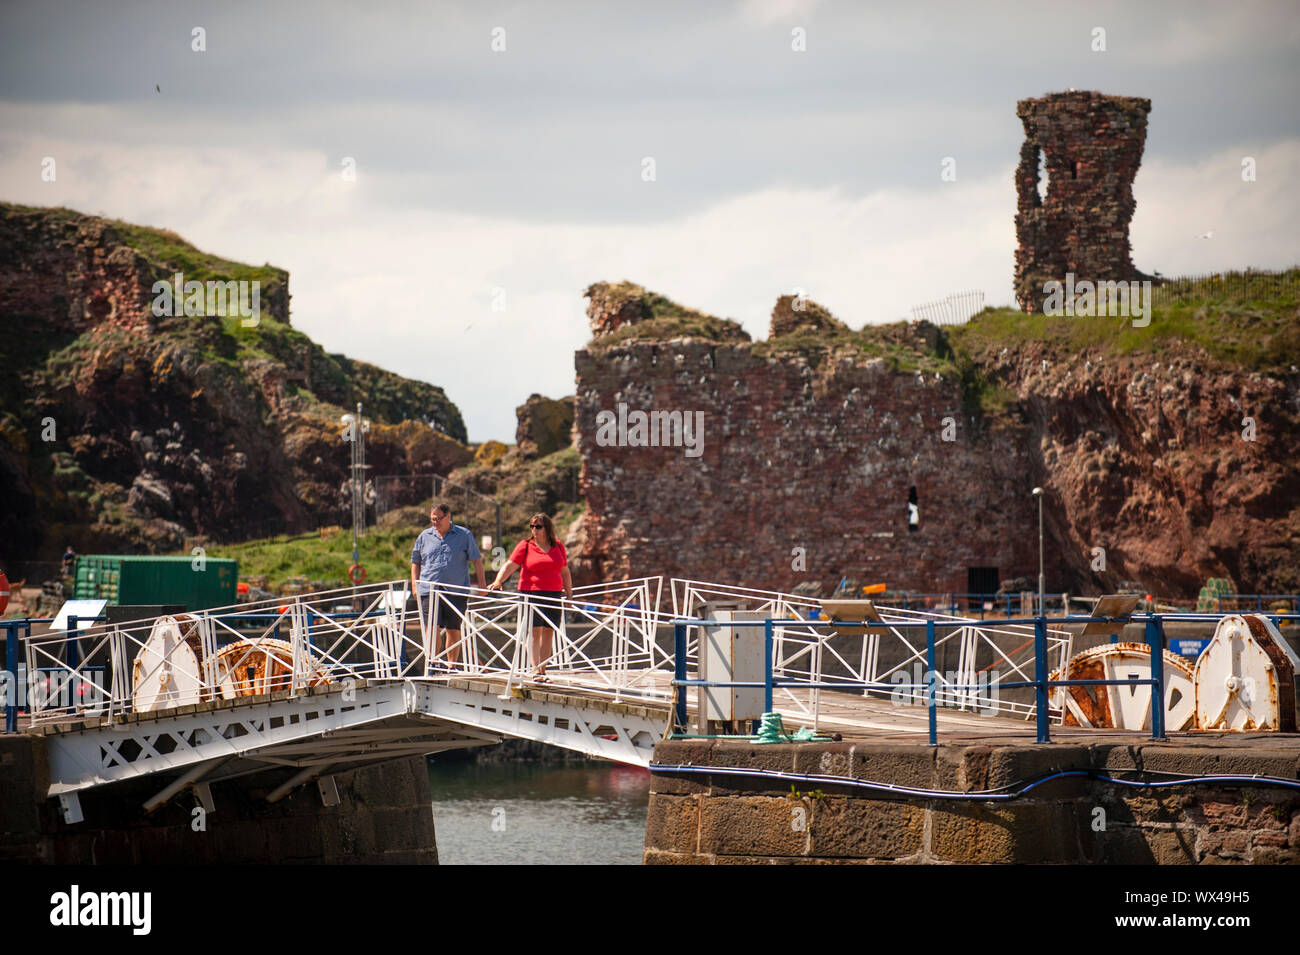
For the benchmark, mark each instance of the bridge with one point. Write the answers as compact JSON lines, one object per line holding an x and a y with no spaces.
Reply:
{"x":335,"y":681}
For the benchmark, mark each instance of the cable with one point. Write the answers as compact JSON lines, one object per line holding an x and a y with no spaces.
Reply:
{"x":1001,"y":794}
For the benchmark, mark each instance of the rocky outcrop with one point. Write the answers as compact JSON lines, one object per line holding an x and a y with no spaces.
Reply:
{"x":125,"y":429}
{"x":1168,"y":467}
{"x":793,"y":314}
{"x":545,"y":426}
{"x":624,"y":311}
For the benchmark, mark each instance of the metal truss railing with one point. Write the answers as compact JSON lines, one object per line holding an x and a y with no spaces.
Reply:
{"x":605,"y":643}
{"x":987,"y":656}
{"x":613,"y":640}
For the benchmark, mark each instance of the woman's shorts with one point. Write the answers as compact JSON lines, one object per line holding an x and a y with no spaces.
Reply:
{"x":547,"y":614}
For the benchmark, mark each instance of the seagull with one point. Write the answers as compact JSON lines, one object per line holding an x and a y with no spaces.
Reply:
{"x":1206,"y":235}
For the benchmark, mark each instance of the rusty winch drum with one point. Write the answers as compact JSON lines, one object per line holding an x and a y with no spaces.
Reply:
{"x":260,"y":665}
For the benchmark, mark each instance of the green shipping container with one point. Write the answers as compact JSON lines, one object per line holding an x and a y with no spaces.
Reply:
{"x":156,"y":580}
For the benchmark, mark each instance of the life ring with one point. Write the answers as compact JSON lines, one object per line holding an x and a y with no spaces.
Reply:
{"x":4,"y":591}
{"x":357,"y":574}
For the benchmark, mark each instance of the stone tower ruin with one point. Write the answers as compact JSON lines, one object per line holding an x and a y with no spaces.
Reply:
{"x":1091,"y":145}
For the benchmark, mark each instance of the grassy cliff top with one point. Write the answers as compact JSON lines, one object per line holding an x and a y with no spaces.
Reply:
{"x":1245,"y":319}
{"x":164,"y":250}
{"x":1250,"y":320}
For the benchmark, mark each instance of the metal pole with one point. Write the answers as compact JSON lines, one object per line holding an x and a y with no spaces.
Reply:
{"x":11,"y":667}
{"x":930,"y":680}
{"x":1040,"y":678}
{"x":767,"y":665}
{"x":1042,"y":600}
{"x":679,"y":673}
{"x":1156,"y":641}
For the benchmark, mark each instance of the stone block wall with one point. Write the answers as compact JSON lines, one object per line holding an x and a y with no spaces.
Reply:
{"x":384,"y":815}
{"x":702,"y":818}
{"x":797,"y":453}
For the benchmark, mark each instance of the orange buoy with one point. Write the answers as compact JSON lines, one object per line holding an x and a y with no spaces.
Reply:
{"x":357,"y":574}
{"x":4,"y":591}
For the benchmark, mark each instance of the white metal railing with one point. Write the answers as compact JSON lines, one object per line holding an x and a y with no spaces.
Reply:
{"x":605,"y":643}
{"x":613,"y":641}
{"x":986,"y":655}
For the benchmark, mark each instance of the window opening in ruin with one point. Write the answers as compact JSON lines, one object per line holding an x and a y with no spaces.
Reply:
{"x":1074,"y":169}
{"x":980,"y":582}
{"x":1044,"y":178}
{"x":913,"y":511}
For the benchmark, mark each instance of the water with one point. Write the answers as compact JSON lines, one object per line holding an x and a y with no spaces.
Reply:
{"x":532,"y":813}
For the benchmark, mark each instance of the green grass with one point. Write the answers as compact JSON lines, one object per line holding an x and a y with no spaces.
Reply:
{"x":385,"y":553}
{"x":661,"y":319}
{"x":667,"y":327}
{"x":1250,"y":321}
{"x":169,"y":252}
{"x":871,"y":342}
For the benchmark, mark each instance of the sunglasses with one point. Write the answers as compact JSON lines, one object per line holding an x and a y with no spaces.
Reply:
{"x":536,"y":526}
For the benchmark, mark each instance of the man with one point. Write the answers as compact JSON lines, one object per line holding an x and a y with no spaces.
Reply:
{"x":442,"y":554}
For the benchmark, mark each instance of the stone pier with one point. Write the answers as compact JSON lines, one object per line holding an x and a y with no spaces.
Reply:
{"x":720,"y":818}
{"x":384,"y":815}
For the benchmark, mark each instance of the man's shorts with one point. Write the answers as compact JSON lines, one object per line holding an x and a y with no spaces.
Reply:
{"x":450,"y":608}
{"x":548,"y":613}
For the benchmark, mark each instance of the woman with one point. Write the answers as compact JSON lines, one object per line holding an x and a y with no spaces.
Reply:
{"x":545,"y":577}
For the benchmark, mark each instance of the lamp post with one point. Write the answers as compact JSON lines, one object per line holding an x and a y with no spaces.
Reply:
{"x":1042,"y":603}
{"x":354,"y":432}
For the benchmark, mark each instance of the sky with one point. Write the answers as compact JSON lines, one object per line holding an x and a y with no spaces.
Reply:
{"x":499,"y":153}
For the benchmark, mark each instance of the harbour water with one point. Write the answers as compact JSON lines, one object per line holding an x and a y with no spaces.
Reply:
{"x":535,"y":813}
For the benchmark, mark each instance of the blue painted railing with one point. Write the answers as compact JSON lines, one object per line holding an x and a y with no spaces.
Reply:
{"x":1042,"y":686}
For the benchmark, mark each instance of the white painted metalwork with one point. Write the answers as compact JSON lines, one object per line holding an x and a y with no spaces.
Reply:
{"x":987,"y":655}
{"x":1123,"y":707}
{"x":336,"y":680}
{"x":1245,"y":679}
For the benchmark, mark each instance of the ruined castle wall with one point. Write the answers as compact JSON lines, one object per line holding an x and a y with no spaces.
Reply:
{"x":1092,"y":146}
{"x":797,"y":455}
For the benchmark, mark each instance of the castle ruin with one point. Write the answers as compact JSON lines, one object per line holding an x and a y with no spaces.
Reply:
{"x":1090,"y":146}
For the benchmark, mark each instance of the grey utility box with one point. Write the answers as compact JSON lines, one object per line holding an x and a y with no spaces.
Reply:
{"x":731,"y":655}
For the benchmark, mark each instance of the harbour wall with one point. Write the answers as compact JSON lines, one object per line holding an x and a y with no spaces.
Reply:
{"x":714,"y":817}
{"x":384,"y":815}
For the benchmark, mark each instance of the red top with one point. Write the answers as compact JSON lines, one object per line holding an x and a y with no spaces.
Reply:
{"x":539,"y":571}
